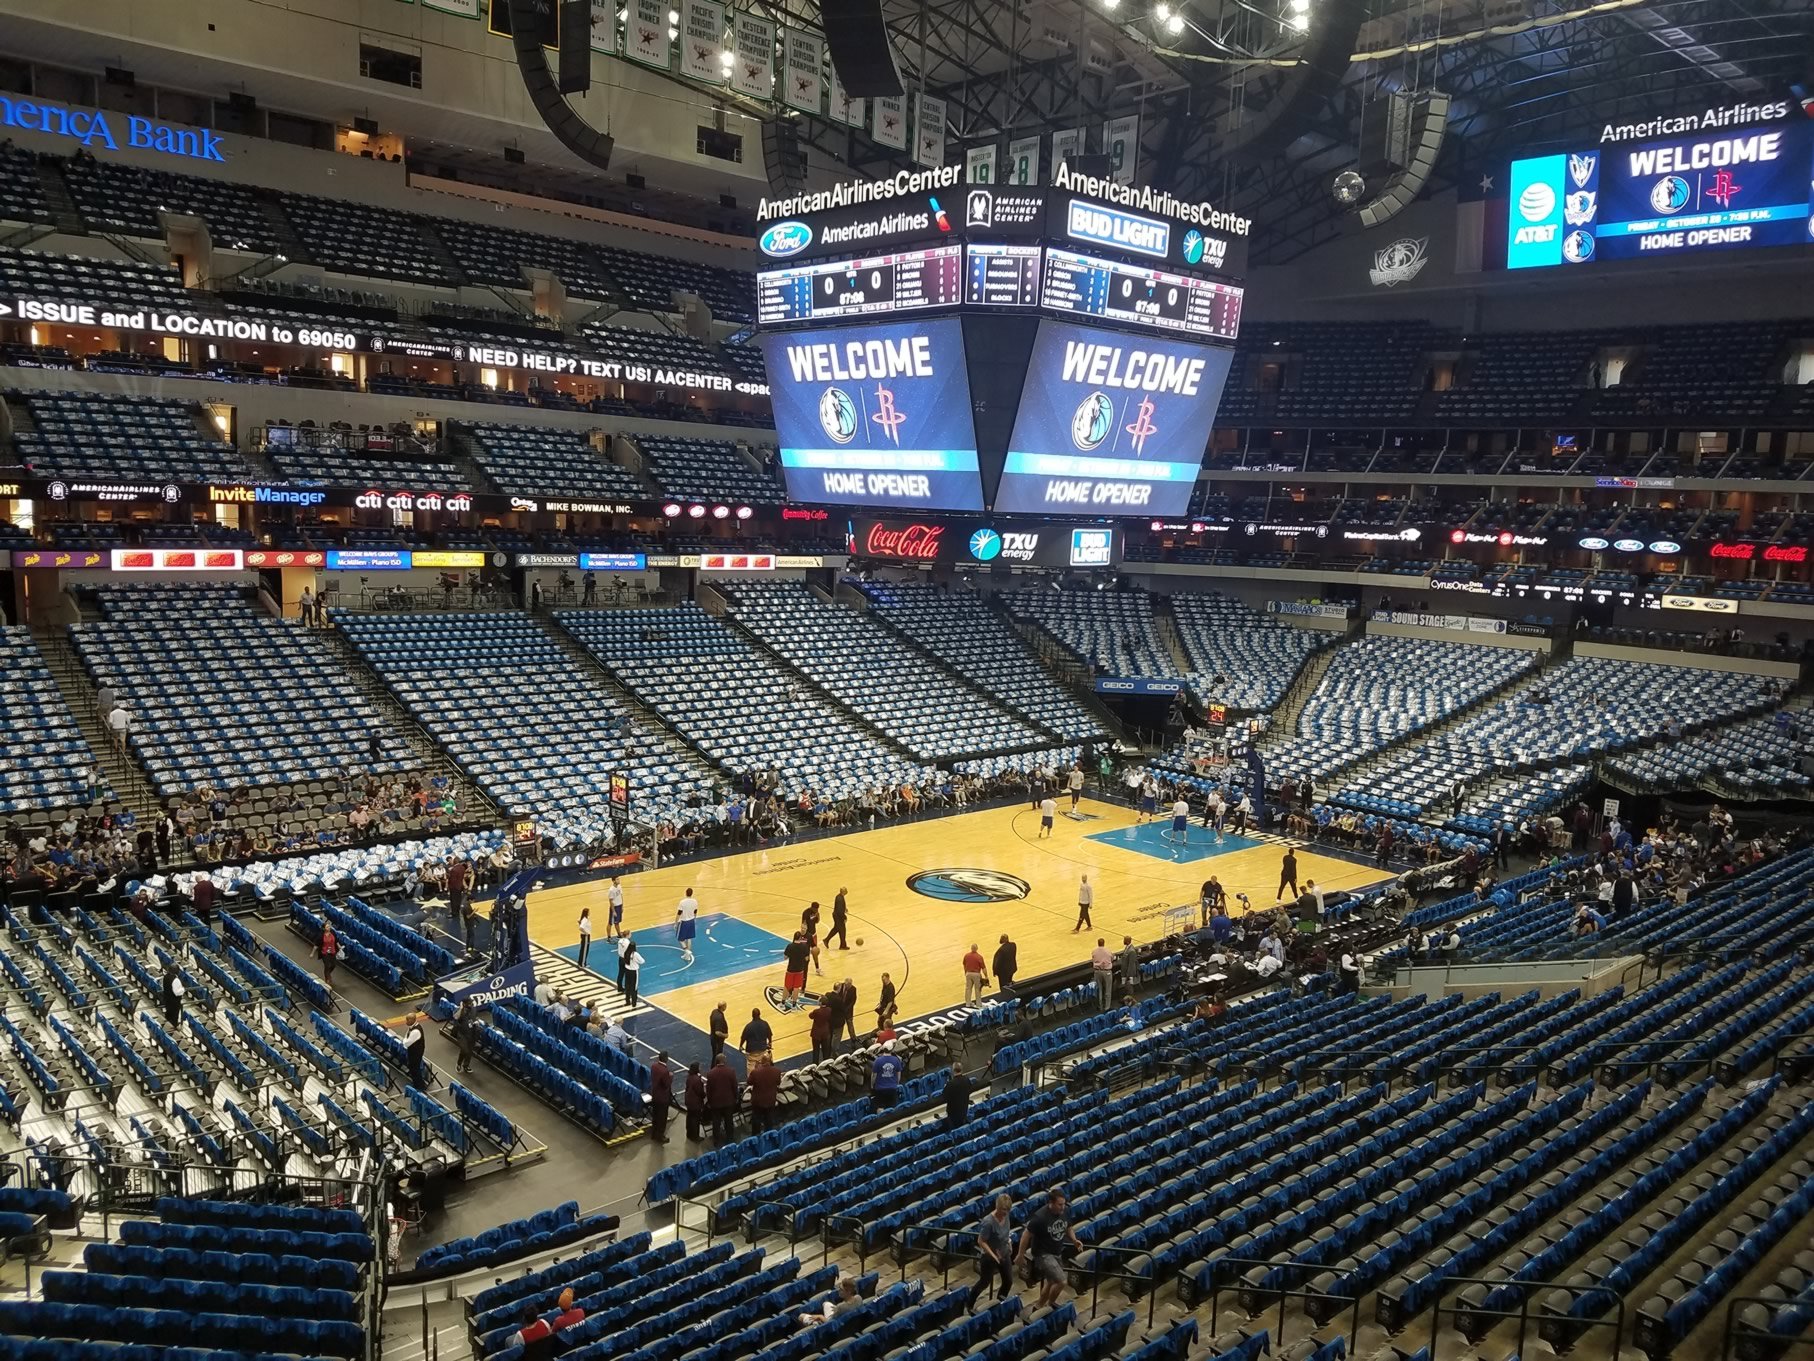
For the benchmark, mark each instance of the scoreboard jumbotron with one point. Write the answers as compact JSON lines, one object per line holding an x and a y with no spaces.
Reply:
{"x":1077,"y":370}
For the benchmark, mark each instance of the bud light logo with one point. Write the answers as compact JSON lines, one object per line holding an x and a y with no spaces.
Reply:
{"x":785,"y":238}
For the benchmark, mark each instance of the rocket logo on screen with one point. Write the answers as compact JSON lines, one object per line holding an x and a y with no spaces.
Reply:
{"x":887,"y":416}
{"x":1723,"y":189}
{"x":1142,"y":425}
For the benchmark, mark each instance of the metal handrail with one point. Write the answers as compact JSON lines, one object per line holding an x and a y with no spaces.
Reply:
{"x":1527,"y":1289}
{"x":860,"y":1238}
{"x":1300,"y":1269}
{"x":1736,"y":1329}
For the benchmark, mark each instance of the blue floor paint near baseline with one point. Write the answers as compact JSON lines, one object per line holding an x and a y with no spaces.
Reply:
{"x":1154,"y":839}
{"x":725,"y":946}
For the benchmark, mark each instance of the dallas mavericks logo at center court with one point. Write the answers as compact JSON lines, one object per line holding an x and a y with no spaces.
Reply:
{"x":1091,"y":422}
{"x":969,"y":885}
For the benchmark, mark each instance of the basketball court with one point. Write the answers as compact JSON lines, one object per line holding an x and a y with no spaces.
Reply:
{"x":920,"y":894}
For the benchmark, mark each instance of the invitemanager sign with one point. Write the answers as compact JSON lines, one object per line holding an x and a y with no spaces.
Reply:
{"x":1110,"y":423}
{"x":875,"y":416}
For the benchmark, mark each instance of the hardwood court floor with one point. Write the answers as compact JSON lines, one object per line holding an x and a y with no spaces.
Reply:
{"x":750,"y":905}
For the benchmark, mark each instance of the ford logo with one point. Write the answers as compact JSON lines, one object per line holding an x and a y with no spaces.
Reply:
{"x":1594,"y":543}
{"x":786,"y":238}
{"x":1629,"y":545}
{"x":1665,"y":546}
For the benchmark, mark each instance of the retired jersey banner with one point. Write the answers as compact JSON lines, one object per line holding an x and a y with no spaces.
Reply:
{"x":646,"y":34}
{"x":466,"y":9}
{"x":1066,"y":142}
{"x":842,"y":108}
{"x":803,"y":63}
{"x":1023,"y":161}
{"x":929,"y":137}
{"x":979,"y":164}
{"x":891,"y":122}
{"x":753,"y":42}
{"x":1121,"y":141}
{"x":702,"y":46}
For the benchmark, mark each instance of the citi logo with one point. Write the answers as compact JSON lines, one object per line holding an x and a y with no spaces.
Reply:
{"x":785,"y":238}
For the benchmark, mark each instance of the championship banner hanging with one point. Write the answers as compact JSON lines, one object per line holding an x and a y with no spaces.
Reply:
{"x":702,"y":41}
{"x":753,"y":41}
{"x":1121,"y":140}
{"x":840,"y":106}
{"x":929,"y":138}
{"x":891,"y":122}
{"x":804,"y":63}
{"x":1023,"y":161}
{"x":604,"y":26}
{"x":646,"y":37}
{"x":979,"y":164}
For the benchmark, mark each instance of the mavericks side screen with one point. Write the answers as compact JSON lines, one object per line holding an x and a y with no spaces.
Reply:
{"x":1110,"y":423}
{"x":875,"y":415}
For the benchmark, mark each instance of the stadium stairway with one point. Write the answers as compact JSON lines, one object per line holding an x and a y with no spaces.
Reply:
{"x":473,"y":800}
{"x":122,"y":771}
{"x":852,"y":599}
{"x":1167,"y":629}
{"x":1072,"y":672}
{"x":1285,"y":717}
{"x":648,"y":722}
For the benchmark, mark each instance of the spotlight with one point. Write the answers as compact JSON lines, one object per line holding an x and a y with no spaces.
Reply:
{"x":1299,"y":23}
{"x":726,"y":60}
{"x":673,"y":16}
{"x":744,"y":512}
{"x":671,"y":510}
{"x":1111,"y":5}
{"x":1162,"y":13}
{"x":1175,"y":24}
{"x":721,"y":512}
{"x":696,"y":512}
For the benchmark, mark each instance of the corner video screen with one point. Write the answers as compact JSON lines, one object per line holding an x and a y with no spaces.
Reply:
{"x":1725,"y":189}
{"x":1110,"y":423}
{"x":876,"y":416}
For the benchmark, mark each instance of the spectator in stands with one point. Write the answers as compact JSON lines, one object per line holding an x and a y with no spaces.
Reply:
{"x":1006,"y":964}
{"x":1130,"y":963}
{"x":465,"y":1029}
{"x":543,"y":993}
{"x":329,"y":949}
{"x":589,"y":596}
{"x":305,"y":607}
{"x":619,"y":1038}
{"x":820,"y":1020}
{"x":1102,"y":970}
{"x":720,"y":1028}
{"x":976,"y":976}
{"x":957,"y":1096}
{"x":661,"y":1097}
{"x":765,"y":1093}
{"x":842,"y":1298}
{"x":1044,"y":1240}
{"x":695,"y":1101}
{"x":721,"y":1100}
{"x":995,"y":1249}
{"x":415,"y":1045}
{"x":119,"y":727}
{"x":540,"y":1337}
{"x":104,"y":697}
{"x":885,"y":1075}
{"x":173,"y":995}
{"x":844,"y":1012}
{"x":1350,"y":972}
{"x":757,"y":1038}
{"x":201,"y":894}
{"x":1384,"y":844}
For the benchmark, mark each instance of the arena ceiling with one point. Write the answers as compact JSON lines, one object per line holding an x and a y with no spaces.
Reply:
{"x":1520,"y":73}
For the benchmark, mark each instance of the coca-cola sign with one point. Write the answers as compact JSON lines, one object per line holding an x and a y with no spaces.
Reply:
{"x":911,"y":542}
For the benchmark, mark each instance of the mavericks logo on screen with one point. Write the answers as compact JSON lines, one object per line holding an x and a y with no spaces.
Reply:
{"x":969,"y":885}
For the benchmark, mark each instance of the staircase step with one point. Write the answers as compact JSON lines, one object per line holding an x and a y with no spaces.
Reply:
{"x":123,"y":773}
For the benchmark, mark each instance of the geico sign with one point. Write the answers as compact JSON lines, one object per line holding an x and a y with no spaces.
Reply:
{"x":407,"y":500}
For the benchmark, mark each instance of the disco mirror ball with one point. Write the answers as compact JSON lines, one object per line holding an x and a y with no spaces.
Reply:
{"x":1348,"y":188}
